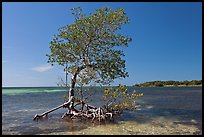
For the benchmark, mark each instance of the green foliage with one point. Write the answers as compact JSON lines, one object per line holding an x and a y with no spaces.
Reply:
{"x":119,"y":99}
{"x":89,"y":46}
{"x":170,"y":83}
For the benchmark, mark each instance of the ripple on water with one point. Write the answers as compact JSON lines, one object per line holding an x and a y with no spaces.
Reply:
{"x":161,"y":112}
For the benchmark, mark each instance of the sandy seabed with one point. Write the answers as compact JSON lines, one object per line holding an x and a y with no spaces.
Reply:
{"x":158,"y":126}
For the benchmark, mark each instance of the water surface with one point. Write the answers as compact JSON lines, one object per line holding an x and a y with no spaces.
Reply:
{"x":164,"y":110}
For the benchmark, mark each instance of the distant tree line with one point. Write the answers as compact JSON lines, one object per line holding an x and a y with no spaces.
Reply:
{"x":170,"y":83}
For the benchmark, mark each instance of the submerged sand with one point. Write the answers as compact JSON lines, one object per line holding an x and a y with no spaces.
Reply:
{"x":158,"y":126}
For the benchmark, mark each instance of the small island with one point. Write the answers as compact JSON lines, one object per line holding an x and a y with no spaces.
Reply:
{"x":170,"y":83}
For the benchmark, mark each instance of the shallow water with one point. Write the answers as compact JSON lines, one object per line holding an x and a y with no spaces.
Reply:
{"x":164,"y":110}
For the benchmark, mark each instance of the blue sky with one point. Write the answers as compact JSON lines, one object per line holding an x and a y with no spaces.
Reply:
{"x":167,"y":40}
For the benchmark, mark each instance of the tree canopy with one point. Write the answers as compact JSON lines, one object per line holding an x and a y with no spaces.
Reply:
{"x":89,"y":50}
{"x":89,"y":46}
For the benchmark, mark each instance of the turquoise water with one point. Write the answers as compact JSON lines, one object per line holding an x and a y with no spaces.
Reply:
{"x":181,"y":105}
{"x":26,"y":90}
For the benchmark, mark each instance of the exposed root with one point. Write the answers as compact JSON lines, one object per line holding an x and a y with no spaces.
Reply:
{"x":86,"y":111}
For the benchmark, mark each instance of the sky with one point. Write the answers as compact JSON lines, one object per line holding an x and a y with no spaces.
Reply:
{"x":166,"y":40}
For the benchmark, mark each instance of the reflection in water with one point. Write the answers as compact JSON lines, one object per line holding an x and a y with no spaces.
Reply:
{"x":172,"y":110}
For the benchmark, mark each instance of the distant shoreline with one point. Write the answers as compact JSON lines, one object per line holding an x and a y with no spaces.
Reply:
{"x":183,"y":86}
{"x":171,"y":83}
{"x":104,"y":86}
{"x":173,"y":86}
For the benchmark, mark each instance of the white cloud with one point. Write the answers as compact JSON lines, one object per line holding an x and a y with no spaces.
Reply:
{"x":43,"y":68}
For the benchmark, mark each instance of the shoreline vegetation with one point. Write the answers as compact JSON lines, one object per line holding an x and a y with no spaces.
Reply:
{"x":170,"y":83}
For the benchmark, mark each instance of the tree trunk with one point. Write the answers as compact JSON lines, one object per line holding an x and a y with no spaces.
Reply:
{"x":72,"y":85}
{"x":87,"y":113}
{"x":66,"y":74}
{"x":73,"y":82}
{"x":71,"y":90}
